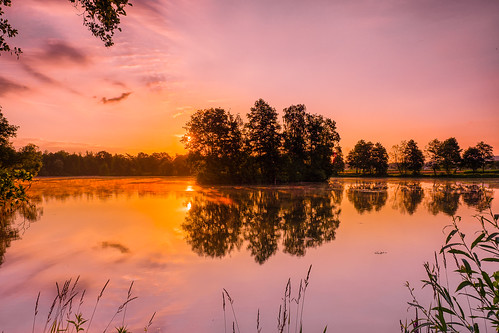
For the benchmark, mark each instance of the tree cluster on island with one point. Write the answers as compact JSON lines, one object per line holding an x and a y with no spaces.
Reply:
{"x":224,"y":149}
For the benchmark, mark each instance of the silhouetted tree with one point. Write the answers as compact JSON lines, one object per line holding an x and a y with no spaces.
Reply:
{"x":472,"y":158}
{"x":368,"y":157}
{"x":413,"y":157}
{"x":359,"y":157}
{"x":295,"y":145}
{"x":323,"y":139}
{"x":398,"y":156}
{"x":433,"y":151}
{"x":487,"y":153}
{"x":264,"y":141}
{"x":450,"y":154}
{"x":379,"y":159}
{"x":214,"y":142}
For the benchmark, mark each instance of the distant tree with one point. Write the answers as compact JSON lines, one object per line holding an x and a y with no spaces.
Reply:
{"x":473,"y":158}
{"x":413,"y":157}
{"x":486,"y":151}
{"x":379,"y":159}
{"x":263,"y":140}
{"x":450,"y":153}
{"x":214,"y":142}
{"x":398,"y":156}
{"x":30,"y":159}
{"x":101,"y":17}
{"x":360,"y":156}
{"x":433,"y":151}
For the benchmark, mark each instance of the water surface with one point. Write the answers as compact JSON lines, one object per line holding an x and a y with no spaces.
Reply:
{"x":181,"y":244}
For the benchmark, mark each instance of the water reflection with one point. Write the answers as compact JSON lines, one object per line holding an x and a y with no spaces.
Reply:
{"x":294,"y":218}
{"x":445,"y":198}
{"x":407,"y":196}
{"x":368,"y":195}
{"x":14,"y":220}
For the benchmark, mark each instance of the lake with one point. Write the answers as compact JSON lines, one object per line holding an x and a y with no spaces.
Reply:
{"x":182,"y":244}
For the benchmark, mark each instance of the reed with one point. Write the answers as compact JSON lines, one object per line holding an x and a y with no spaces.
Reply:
{"x":61,"y":317}
{"x":473,"y":305}
{"x":284,"y":319}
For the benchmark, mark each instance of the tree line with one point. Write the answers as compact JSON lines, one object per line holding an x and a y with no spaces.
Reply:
{"x":224,"y":149}
{"x":407,"y":157}
{"x":103,"y":163}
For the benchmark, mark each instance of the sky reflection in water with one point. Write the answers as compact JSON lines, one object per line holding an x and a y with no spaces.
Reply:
{"x":182,"y":244}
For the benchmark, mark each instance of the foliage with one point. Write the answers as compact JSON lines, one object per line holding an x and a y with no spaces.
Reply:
{"x":62,"y":163}
{"x":263,"y":139}
{"x":214,"y":140}
{"x":16,"y":168}
{"x":224,"y":150}
{"x":473,"y":158}
{"x":450,"y":154}
{"x":102,"y":17}
{"x":474,"y":304}
{"x":7,"y":30}
{"x":359,"y":157}
{"x":486,"y":152}
{"x":368,"y":158}
{"x":433,"y":152}
{"x":413,"y":157}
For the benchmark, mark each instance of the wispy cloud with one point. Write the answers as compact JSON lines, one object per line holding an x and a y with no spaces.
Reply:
{"x":115,"y":99}
{"x":7,"y":86}
{"x":57,"y":51}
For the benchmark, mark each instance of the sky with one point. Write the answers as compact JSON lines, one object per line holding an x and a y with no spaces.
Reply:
{"x":384,"y":70}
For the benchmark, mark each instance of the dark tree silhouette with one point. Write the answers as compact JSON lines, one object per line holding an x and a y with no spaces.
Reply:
{"x":473,"y":158}
{"x":213,"y":138}
{"x":413,"y":157}
{"x":450,"y":154}
{"x":368,"y":158}
{"x":263,"y":139}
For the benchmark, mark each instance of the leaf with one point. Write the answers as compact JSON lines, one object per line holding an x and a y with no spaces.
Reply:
{"x":456,"y":251}
{"x":477,"y":240}
{"x":491,"y":259}
{"x":452,"y":233}
{"x":463,"y":284}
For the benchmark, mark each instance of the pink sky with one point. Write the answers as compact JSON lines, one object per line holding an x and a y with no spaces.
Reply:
{"x":383,"y":70}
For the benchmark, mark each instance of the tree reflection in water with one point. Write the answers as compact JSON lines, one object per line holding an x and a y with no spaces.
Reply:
{"x":407,"y":197}
{"x":445,"y":198}
{"x":368,"y":195}
{"x":293,"y":217}
{"x":15,"y":218}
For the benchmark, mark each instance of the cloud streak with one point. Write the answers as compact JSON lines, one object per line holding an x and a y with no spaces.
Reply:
{"x":8,"y":86}
{"x":124,"y":95}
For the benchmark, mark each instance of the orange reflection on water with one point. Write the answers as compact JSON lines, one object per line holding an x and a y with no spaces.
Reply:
{"x":182,"y":244}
